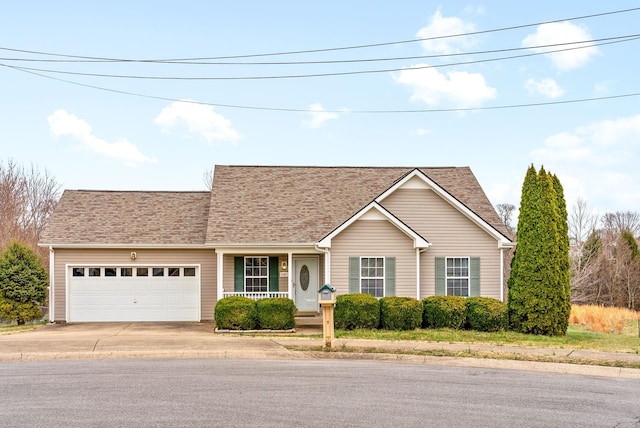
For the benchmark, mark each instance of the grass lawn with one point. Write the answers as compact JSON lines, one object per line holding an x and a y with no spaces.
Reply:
{"x":577,"y":337}
{"x":13,"y":328}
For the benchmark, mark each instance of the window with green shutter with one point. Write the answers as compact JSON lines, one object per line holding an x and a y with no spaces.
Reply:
{"x":457,"y":276}
{"x":255,"y":274}
{"x":372,"y":275}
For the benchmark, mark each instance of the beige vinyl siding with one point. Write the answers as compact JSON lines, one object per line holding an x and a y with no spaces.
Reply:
{"x":374,"y":238}
{"x":205,"y":258}
{"x":450,"y":233}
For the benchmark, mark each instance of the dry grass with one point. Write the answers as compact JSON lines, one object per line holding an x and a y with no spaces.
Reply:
{"x":603,"y":319}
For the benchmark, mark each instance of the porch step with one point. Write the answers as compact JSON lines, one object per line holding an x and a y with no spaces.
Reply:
{"x":309,"y":323}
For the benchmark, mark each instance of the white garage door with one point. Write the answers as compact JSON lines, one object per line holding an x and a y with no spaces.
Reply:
{"x":128,"y":293}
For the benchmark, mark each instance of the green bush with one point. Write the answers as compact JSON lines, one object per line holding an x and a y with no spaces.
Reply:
{"x":276,"y":313}
{"x":356,"y":311}
{"x":236,"y":313}
{"x":10,"y":310}
{"x":486,"y":314}
{"x":443,"y":312}
{"x":400,"y":313}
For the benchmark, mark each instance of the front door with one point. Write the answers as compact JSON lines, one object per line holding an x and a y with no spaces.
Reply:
{"x":305,"y":282}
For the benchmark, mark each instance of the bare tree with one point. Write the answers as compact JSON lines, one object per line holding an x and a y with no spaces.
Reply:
{"x":620,"y":221}
{"x":207,"y":179}
{"x":505,"y":211}
{"x":582,"y":222}
{"x":27,"y":199}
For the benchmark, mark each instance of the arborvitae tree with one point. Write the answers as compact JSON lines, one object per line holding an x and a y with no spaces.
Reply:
{"x":538,"y":296}
{"x":23,"y":284}
{"x":523,"y":262}
{"x":563,"y":250}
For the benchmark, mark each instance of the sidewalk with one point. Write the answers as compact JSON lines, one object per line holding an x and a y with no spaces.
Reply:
{"x":197,"y":340}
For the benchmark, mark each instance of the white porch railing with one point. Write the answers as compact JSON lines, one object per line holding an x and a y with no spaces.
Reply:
{"x":256,"y":295}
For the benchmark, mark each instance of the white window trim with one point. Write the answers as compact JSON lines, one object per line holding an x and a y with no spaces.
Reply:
{"x":384,"y":267}
{"x":446,"y":275}
{"x":245,"y":274}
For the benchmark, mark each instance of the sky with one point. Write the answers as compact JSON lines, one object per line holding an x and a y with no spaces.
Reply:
{"x":150,"y":95}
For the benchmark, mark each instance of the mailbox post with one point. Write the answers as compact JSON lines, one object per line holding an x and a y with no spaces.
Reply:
{"x":327,"y":300}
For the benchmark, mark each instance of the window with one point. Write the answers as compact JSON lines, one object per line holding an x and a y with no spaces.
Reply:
{"x":142,"y":272}
{"x":94,"y":271}
{"x":158,"y":271}
{"x":372,"y":276}
{"x":256,"y":274}
{"x":173,"y":271}
{"x":457,"y":276}
{"x":189,"y":271}
{"x":78,"y":271}
{"x":126,"y":271}
{"x":110,"y":271}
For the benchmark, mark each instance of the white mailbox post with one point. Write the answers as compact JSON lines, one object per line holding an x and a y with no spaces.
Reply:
{"x":327,"y":300}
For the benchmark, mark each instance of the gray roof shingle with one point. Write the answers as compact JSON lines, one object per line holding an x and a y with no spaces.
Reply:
{"x":279,"y":205}
{"x":124,"y":217}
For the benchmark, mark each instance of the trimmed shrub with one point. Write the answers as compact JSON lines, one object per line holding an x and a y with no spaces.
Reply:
{"x":236,"y":313}
{"x":356,"y":311}
{"x":276,"y":313}
{"x":486,"y":314}
{"x":443,"y":312}
{"x":10,"y":310}
{"x":400,"y":313}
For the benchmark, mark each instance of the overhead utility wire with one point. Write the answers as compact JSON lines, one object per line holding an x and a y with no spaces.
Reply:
{"x":295,"y":110}
{"x":342,"y":73}
{"x":338,"y":61}
{"x":371,"y":45}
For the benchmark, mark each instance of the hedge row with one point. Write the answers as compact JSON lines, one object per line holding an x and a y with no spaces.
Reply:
{"x":405,"y":313}
{"x":242,"y":313}
{"x":353,"y":311}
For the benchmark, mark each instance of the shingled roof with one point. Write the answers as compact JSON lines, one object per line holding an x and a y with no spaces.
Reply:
{"x":287,"y":205}
{"x":88,"y":217}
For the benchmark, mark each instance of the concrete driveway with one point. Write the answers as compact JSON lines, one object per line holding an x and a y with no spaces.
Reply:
{"x":134,"y":340}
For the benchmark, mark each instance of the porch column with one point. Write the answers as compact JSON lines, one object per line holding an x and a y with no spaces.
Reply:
{"x":220,"y":271}
{"x":290,"y":275}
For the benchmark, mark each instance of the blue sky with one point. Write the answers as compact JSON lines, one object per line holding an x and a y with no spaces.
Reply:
{"x":96,"y":139}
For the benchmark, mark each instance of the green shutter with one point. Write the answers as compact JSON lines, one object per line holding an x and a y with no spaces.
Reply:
{"x":354,"y":275}
{"x":273,"y":274}
{"x":238,"y":274}
{"x":389,"y":276}
{"x":441,"y":283}
{"x":474,"y":273}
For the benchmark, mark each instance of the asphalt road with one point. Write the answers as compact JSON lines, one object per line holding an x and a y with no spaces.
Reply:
{"x":310,"y":393}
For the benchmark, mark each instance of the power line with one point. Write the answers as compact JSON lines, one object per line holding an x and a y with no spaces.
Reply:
{"x":297,"y":110}
{"x":341,"y":48}
{"x":342,"y":61}
{"x":315,"y":75}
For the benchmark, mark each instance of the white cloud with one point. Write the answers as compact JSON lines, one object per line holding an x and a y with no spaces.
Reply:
{"x":199,"y":120}
{"x":598,"y":162}
{"x":319,"y":116}
{"x":420,"y":132}
{"x":445,"y":26}
{"x":455,"y":88}
{"x":62,"y":123}
{"x":546,"y":87}
{"x":562,"y":32}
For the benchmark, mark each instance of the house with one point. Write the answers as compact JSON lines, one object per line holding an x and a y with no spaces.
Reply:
{"x":269,"y":231}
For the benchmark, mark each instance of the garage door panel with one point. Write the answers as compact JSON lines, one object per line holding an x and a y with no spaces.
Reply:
{"x":132,"y":298}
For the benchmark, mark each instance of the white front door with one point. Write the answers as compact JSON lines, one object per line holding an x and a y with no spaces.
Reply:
{"x":305,"y":282}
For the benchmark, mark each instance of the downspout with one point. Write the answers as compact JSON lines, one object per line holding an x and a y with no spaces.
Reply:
{"x":52,"y":275}
{"x":418,"y":252}
{"x":220,"y":275}
{"x":502,"y":274}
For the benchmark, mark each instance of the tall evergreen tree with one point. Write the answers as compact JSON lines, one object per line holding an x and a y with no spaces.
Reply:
{"x":563,"y":251}
{"x":538,"y":296}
